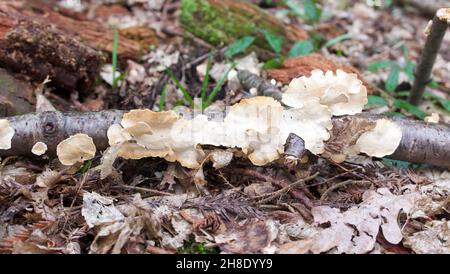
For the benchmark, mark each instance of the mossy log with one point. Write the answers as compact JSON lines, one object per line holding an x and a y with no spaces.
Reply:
{"x":220,"y":22}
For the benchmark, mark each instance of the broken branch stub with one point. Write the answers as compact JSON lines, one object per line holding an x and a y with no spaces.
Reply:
{"x":439,"y":26}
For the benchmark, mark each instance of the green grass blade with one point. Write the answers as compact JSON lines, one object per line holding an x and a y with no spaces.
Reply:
{"x":205,"y":82}
{"x":162,"y":98}
{"x":114,"y":58}
{"x":338,"y":39}
{"x":180,"y":86}
{"x":218,"y":86}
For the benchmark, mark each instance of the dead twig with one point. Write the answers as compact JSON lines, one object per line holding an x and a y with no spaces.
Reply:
{"x":296,"y":194}
{"x":430,"y":50}
{"x":270,"y":196}
{"x":143,"y":189}
{"x":341,"y":184}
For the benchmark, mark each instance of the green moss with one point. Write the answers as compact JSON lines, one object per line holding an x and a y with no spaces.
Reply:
{"x":218,"y":25}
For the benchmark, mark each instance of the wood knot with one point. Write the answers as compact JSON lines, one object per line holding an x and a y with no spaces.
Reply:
{"x":49,"y":125}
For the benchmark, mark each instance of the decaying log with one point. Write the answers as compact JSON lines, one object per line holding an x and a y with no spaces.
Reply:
{"x":90,"y":32}
{"x":421,"y":142}
{"x":221,"y":22}
{"x":39,"y":42}
{"x":38,"y":51}
{"x":16,"y":96}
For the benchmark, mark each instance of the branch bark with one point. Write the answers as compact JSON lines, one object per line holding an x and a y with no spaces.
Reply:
{"x":430,"y":50}
{"x":421,"y":142}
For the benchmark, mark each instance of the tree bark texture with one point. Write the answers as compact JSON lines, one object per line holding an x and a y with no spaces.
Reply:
{"x":421,"y":142}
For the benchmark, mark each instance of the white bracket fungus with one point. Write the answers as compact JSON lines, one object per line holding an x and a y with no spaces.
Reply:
{"x":380,"y":141}
{"x":76,"y":149}
{"x":6,"y":134}
{"x":343,"y":93}
{"x":258,"y":126}
{"x":39,"y":148}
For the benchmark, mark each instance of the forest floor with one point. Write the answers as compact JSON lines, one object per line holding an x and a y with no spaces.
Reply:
{"x":362,"y":205}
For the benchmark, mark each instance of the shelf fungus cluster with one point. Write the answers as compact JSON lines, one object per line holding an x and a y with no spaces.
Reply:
{"x":256,"y":128}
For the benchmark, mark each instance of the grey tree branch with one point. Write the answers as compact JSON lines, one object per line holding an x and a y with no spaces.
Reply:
{"x":249,"y":80}
{"x":430,"y":50}
{"x":421,"y":142}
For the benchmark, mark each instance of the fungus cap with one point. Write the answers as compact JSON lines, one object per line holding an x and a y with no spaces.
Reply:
{"x":76,"y":149}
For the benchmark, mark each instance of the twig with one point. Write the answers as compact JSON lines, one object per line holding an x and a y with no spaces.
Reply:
{"x":433,"y":43}
{"x":278,"y":183}
{"x":286,"y":188}
{"x":157,"y":192}
{"x":341,"y":184}
{"x":249,"y":80}
{"x":204,"y":57}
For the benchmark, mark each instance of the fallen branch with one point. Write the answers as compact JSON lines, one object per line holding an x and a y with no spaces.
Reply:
{"x":421,"y":142}
{"x":439,"y":25}
{"x":265,"y":88}
{"x":38,"y":42}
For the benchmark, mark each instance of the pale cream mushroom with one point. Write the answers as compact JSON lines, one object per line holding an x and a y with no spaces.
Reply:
{"x":6,"y":134}
{"x":343,"y":93}
{"x":39,"y":148}
{"x":380,"y":141}
{"x":433,"y":118}
{"x":76,"y":149}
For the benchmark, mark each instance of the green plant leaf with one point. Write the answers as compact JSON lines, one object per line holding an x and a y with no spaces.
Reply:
{"x":181,"y":87}
{"x":376,"y":100}
{"x":338,"y":39}
{"x":396,"y":163}
{"x":294,"y":8}
{"x":392,"y":80}
{"x":301,"y":48}
{"x":239,"y":46}
{"x":433,"y":84}
{"x":412,"y":109}
{"x":375,"y":66}
{"x":445,"y":104}
{"x":394,"y":114}
{"x":435,"y":98}
{"x":275,"y":41}
{"x":274,"y":63}
{"x":86,"y":165}
{"x":402,"y":94}
{"x":312,"y":11}
{"x":409,"y":70}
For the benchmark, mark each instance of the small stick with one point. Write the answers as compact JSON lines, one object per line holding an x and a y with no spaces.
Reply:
{"x":296,"y":194}
{"x":422,"y":74}
{"x":249,"y":80}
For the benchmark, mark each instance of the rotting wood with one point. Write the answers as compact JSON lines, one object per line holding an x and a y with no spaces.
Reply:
{"x":90,"y":32}
{"x":16,"y":95}
{"x":221,"y":22}
{"x":37,"y":41}
{"x":421,"y":142}
{"x":38,"y":50}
